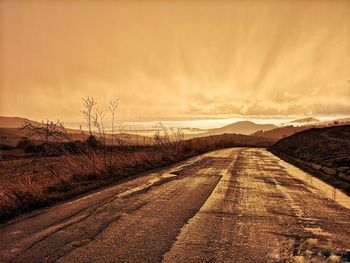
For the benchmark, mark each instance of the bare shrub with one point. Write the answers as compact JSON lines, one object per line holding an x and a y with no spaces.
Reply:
{"x":88,"y":105}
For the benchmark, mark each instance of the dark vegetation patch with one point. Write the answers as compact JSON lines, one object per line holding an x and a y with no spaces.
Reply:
{"x":323,"y":152}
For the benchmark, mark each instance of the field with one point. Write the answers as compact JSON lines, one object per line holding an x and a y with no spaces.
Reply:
{"x":38,"y":180}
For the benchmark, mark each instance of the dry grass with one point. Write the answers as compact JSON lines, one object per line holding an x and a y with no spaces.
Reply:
{"x":29,"y":183}
{"x":26,"y":184}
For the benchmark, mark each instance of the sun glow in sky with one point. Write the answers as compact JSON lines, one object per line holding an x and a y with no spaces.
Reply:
{"x":175,"y":60}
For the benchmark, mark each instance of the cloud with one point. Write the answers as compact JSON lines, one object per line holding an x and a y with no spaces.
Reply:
{"x":175,"y":60}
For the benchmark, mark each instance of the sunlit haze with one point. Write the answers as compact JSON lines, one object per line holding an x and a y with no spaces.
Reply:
{"x":176,"y":60}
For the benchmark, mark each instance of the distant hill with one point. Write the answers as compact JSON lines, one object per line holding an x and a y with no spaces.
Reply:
{"x":303,"y":121}
{"x":343,"y":120}
{"x":305,"y":124}
{"x":13,"y":122}
{"x":240,"y":127}
{"x":315,"y":121}
{"x":281,"y":132}
{"x":306,"y":120}
{"x":235,"y":139}
{"x":340,"y":121}
{"x":17,"y":122}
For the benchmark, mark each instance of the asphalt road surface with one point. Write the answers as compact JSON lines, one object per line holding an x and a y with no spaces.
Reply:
{"x":232,"y":205}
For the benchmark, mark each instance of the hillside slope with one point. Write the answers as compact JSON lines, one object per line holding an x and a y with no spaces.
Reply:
{"x":240,"y":127}
{"x":281,"y":132}
{"x":14,"y":122}
{"x":325,"y":150}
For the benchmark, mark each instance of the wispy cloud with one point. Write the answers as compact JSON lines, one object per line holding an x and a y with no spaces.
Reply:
{"x":175,"y":59}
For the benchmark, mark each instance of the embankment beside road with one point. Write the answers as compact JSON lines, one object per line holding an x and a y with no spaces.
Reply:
{"x":323,"y":152}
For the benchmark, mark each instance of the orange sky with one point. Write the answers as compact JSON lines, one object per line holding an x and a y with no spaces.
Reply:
{"x":175,"y":59}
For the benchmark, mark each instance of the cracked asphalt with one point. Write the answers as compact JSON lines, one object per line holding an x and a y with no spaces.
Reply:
{"x":231,"y":205}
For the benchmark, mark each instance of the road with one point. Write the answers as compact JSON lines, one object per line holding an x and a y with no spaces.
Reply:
{"x":231,"y":205}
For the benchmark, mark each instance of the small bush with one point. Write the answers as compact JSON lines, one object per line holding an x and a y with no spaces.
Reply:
{"x":92,"y":142}
{"x":31,"y":148}
{"x":5,"y":147}
{"x":76,"y":147}
{"x":24,"y":142}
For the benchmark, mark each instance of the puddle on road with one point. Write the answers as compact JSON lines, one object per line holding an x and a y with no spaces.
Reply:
{"x":150,"y":183}
{"x":159,"y":176}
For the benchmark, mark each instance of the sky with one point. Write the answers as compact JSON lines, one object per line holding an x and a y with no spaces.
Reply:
{"x":175,"y":60}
